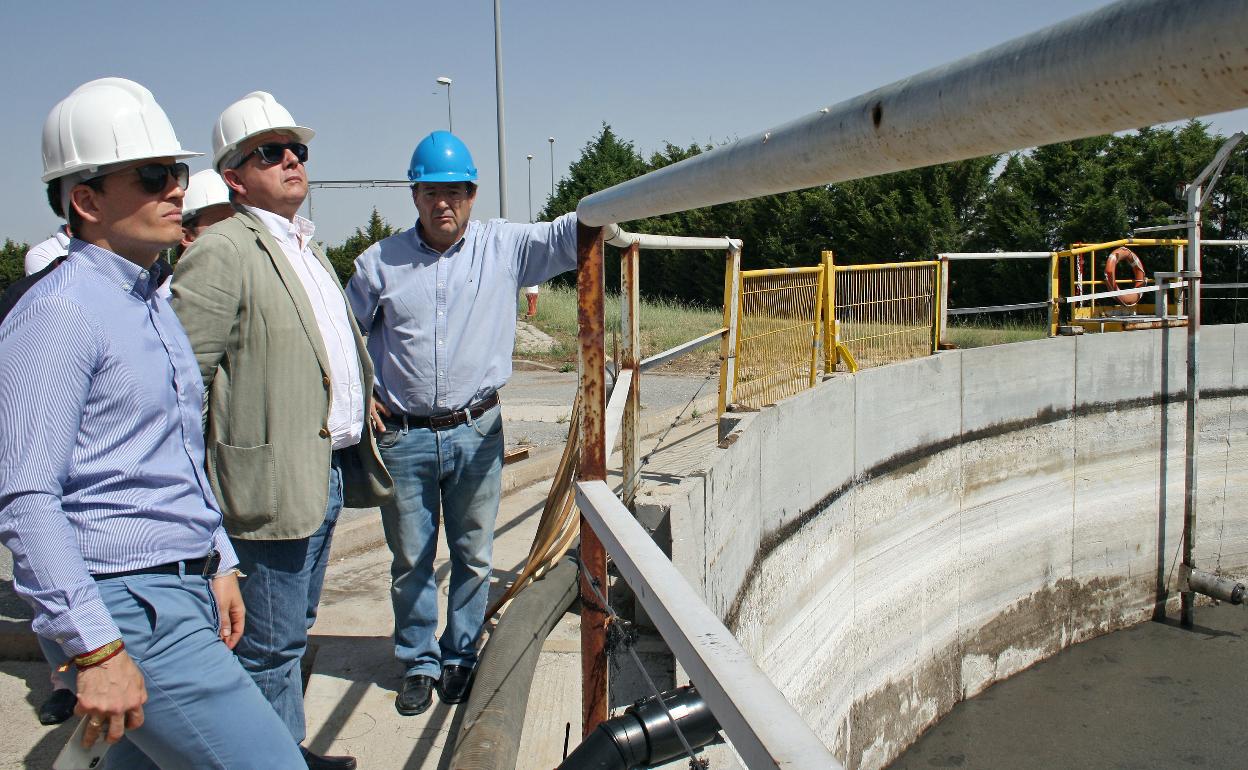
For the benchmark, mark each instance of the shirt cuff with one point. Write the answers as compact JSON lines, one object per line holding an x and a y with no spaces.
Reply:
{"x":221,"y":543}
{"x":85,"y":627}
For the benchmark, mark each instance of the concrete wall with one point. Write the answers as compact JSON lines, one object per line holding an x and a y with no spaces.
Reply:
{"x":892,"y":542}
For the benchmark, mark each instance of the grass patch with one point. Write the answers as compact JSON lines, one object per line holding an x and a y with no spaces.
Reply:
{"x":664,"y":325}
{"x":978,"y":335}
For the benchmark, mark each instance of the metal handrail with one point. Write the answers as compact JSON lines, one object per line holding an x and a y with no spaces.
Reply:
{"x":1140,"y":62}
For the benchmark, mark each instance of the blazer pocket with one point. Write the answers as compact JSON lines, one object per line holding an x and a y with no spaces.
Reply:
{"x":247,"y":480}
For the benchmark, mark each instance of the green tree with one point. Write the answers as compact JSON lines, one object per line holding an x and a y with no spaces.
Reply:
{"x":342,"y":257}
{"x":12,"y":262}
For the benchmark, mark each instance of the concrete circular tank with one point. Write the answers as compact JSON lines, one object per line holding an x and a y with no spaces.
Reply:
{"x":894,"y":541}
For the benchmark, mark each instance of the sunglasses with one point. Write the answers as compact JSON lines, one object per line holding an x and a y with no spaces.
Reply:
{"x":155,"y":176}
{"x":272,"y":153}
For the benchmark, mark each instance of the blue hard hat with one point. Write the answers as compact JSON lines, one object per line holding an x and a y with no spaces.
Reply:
{"x":441,"y":157}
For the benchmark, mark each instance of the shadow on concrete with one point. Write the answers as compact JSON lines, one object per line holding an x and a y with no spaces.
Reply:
{"x":38,"y":688}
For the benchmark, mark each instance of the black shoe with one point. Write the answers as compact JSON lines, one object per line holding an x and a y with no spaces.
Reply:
{"x":316,"y":762}
{"x":415,"y":695}
{"x":455,"y":683}
{"x":58,"y":707}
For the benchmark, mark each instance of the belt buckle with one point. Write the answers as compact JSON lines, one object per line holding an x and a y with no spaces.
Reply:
{"x":442,"y":421}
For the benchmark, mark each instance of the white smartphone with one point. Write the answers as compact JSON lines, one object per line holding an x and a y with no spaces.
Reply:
{"x":75,"y":757}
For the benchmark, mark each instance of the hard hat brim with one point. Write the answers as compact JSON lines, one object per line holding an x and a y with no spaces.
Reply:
{"x":101,"y":169}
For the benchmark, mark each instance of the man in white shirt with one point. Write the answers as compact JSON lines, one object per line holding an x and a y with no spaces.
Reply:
{"x":288,"y":384}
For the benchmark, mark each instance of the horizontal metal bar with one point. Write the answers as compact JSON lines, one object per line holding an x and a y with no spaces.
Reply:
{"x":1222,"y":242}
{"x":359,"y":183}
{"x":1138,"y":63}
{"x":1121,"y":292}
{"x":967,"y":255}
{"x":615,"y":407}
{"x":1161,"y":228}
{"x":996,"y":308}
{"x":658,"y":359}
{"x":1090,"y":247}
{"x":613,"y":235}
{"x":1204,"y":286}
{"x":884,"y":266}
{"x":771,"y":272}
{"x":765,"y":730}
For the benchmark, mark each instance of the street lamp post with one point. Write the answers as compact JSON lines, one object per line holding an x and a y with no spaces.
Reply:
{"x":530,"y":159}
{"x":498,"y":95}
{"x":445,"y":81}
{"x":552,"y":167}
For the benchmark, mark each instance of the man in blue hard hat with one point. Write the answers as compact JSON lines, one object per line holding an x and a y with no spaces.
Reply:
{"x":438,"y":302}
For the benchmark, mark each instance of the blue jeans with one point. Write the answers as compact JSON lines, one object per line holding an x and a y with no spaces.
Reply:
{"x":202,"y":709}
{"x":459,"y":473}
{"x":281,"y":591}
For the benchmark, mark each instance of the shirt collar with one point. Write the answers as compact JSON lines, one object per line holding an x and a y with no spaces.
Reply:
{"x":297,"y":233}
{"x":119,"y":271}
{"x":420,"y":241}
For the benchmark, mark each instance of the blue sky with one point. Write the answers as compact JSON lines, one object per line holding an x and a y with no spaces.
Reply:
{"x":362,"y":74}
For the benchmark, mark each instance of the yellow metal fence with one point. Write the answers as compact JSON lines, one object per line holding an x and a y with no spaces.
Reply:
{"x":778,"y":333}
{"x":858,"y":315}
{"x":883,"y":313}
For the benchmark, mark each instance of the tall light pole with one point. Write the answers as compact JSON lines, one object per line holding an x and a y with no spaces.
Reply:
{"x":498,"y":87}
{"x":552,"y":167}
{"x":530,"y":159}
{"x":445,"y":81}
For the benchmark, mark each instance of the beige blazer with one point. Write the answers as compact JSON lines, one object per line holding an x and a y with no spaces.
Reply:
{"x":266,"y":379}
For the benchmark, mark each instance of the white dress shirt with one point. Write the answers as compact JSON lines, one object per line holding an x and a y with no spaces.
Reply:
{"x":46,"y":252}
{"x":346,"y":409}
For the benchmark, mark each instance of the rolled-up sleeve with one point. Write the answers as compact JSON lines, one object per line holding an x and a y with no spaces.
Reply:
{"x":49,"y":352}
{"x":545,"y":249}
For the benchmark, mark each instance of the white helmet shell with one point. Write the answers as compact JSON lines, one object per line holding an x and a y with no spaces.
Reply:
{"x":255,"y":113}
{"x":103,"y":123}
{"x":205,"y":189}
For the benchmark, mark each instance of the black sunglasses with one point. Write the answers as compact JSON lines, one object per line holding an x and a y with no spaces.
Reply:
{"x":155,"y":176}
{"x":272,"y":153}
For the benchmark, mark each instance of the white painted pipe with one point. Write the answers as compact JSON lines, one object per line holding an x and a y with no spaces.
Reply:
{"x":1133,"y":63}
{"x":613,"y":235}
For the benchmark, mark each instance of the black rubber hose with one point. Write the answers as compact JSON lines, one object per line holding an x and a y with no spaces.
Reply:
{"x":494,"y":714}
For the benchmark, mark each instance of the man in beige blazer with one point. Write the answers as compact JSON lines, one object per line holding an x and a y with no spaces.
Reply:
{"x":288,"y":383}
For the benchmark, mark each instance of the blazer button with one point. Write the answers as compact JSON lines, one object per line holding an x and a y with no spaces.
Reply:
{"x":324,"y":432}
{"x":325,"y":381}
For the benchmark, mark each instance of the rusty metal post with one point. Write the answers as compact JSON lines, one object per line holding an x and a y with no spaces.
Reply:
{"x":630,"y":358}
{"x":593,"y":467}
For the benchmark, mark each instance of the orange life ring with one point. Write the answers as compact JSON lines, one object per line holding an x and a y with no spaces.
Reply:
{"x":1111,"y":274}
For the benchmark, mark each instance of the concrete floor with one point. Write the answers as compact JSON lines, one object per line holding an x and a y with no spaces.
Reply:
{"x":1151,"y":696}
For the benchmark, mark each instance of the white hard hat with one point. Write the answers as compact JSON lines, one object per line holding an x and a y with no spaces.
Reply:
{"x":205,"y":189}
{"x":255,"y":113}
{"x":103,"y":123}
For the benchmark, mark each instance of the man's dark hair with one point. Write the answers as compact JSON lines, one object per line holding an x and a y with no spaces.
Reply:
{"x":54,"y":197}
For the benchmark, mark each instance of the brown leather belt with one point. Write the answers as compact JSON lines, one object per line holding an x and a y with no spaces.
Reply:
{"x":447,"y":420}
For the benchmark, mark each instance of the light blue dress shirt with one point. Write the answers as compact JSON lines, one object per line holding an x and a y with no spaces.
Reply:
{"x":101,"y":442}
{"x":441,"y":326}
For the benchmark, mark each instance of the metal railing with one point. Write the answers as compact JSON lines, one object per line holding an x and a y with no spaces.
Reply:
{"x":1141,"y":62}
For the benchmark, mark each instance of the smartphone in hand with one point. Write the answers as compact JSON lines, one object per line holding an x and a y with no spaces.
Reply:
{"x":75,"y":757}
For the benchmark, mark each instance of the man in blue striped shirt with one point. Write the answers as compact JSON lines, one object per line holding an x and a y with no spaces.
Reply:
{"x":116,"y":537}
{"x":439,"y":304}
